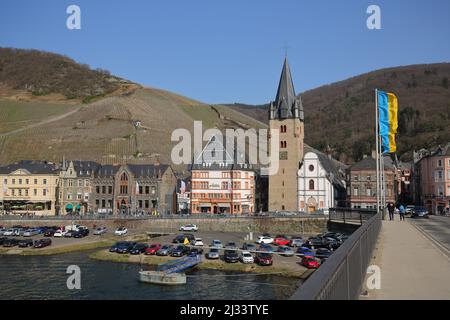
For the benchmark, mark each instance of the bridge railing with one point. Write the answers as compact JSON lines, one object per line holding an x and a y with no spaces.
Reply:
{"x":341,"y":276}
{"x":350,"y":215}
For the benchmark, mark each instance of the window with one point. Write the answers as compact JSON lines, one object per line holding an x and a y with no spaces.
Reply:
{"x":153,"y":190}
{"x":44,"y":181}
{"x":44,"y":192}
{"x":35,"y":181}
{"x":110,"y":189}
{"x":26,"y":192}
{"x":20,"y":192}
{"x":103,"y":203}
{"x":69,"y":196}
{"x":27,"y":181}
{"x":97,"y":202}
{"x":147,"y":189}
{"x":311,"y":167}
{"x":35,"y":192}
{"x":140,"y":204}
{"x":369,"y":192}
{"x":79,"y":196}
{"x":103,"y":189}
{"x":13,"y":192}
{"x":13,"y":181}
{"x":147,"y":204}
{"x":97,"y":189}
{"x":355,"y":191}
{"x":311,"y":184}
{"x":123,"y":189}
{"x":439,"y":163}
{"x":80,"y":183}
{"x":124,"y":177}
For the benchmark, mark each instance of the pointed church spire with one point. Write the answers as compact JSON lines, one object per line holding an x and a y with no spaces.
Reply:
{"x":286,"y":104}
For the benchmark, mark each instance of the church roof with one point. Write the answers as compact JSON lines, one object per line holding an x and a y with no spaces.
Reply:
{"x":286,"y":104}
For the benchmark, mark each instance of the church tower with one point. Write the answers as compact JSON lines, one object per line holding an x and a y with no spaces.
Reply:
{"x":286,"y":115}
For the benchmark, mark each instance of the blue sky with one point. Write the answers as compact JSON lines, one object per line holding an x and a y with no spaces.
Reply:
{"x":221,"y":51}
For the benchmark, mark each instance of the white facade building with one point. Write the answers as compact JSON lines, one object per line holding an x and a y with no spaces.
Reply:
{"x":321,"y":185}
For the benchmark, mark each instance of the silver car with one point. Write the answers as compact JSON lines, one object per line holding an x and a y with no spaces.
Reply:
{"x":217,"y":244}
{"x":99,"y":231}
{"x":213,"y":254}
{"x":285,"y":251}
{"x":30,"y":233}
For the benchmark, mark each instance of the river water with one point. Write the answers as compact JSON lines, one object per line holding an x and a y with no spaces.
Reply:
{"x":44,"y":277}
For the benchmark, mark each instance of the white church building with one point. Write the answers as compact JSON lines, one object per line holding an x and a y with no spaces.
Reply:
{"x":321,"y":182}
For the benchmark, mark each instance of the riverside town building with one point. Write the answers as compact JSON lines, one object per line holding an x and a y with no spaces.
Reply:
{"x":81,"y":187}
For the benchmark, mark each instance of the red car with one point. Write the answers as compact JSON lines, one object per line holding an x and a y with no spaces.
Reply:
{"x":264,"y":259}
{"x":281,"y":241}
{"x":310,"y":262}
{"x":153,"y":248}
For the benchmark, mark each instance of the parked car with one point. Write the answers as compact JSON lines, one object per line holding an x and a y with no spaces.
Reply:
{"x":213,"y":253}
{"x":310,"y":262}
{"x":2,"y":231}
{"x":409,"y":209}
{"x":265,"y":247}
{"x":139,"y":248}
{"x":11,"y":242}
{"x":247,"y":257}
{"x":165,"y":250}
{"x":49,"y":232}
{"x":197,"y":242}
{"x":251,"y":247}
{"x":333,"y":244}
{"x":264,"y":259}
{"x":9,"y":232}
{"x":121,"y":231}
{"x":231,"y":245}
{"x":69,"y":234}
{"x":420,"y":212}
{"x":41,"y":243}
{"x":195,"y":252}
{"x":231,"y":256}
{"x":296,"y":242}
{"x":182,"y":237}
{"x":59,"y":233}
{"x":264,"y":239}
{"x":217,"y":244}
{"x":316,"y":242}
{"x":100,"y":230}
{"x":286,"y":251}
{"x":152,"y":249}
{"x":281,"y":240}
{"x":179,"y":251}
{"x":2,"y":239}
{"x":117,"y":245}
{"x":25,"y":243}
{"x":125,"y":247}
{"x":81,"y":233}
{"x":189,"y":227}
{"x":305,"y":251}
{"x":323,"y":253}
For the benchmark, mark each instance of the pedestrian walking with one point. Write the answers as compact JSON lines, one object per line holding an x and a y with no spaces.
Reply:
{"x":402,"y":211}
{"x":391,"y":209}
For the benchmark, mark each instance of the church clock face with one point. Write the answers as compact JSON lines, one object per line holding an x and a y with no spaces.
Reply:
{"x":283,"y":155}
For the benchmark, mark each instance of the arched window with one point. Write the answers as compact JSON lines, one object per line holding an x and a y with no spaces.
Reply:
{"x":311,"y":184}
{"x":124,"y":177}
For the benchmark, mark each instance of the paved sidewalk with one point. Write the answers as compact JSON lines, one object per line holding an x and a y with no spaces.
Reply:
{"x":412,"y":267}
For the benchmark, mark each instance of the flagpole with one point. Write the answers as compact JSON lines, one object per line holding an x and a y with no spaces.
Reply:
{"x":377,"y":151}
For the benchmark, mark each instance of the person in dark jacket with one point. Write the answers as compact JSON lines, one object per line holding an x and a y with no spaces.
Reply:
{"x":391,"y":209}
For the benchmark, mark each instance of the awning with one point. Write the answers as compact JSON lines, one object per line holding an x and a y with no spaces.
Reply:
{"x":223,"y":205}
{"x":78,"y":207}
{"x":204,"y":205}
{"x":69,"y":207}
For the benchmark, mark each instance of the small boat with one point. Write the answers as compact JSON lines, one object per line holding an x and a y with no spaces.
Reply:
{"x":159,"y":277}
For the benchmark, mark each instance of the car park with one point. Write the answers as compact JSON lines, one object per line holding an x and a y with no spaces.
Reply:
{"x":25,"y":243}
{"x":100,"y":230}
{"x":264,"y":259}
{"x":189,"y":227}
{"x":42,"y":243}
{"x":121,"y":231}
{"x":153,"y":248}
{"x":197,"y":242}
{"x":213,"y":254}
{"x":305,"y":251}
{"x":11,"y":242}
{"x":264,"y":239}
{"x":310,"y":262}
{"x":246,"y":257}
{"x":179,"y":251}
{"x":165,"y":250}
{"x":139,"y":248}
{"x":285,"y":251}
{"x":231,"y":256}
{"x":217,"y":244}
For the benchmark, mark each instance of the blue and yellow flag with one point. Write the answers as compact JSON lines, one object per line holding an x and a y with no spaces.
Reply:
{"x":388,"y":109}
